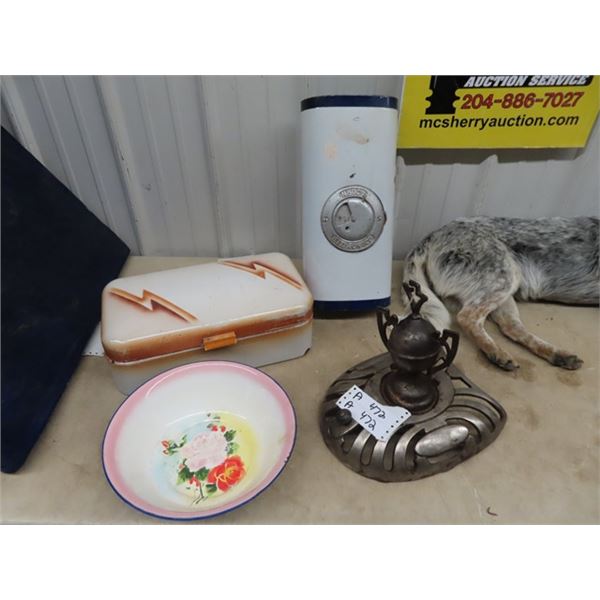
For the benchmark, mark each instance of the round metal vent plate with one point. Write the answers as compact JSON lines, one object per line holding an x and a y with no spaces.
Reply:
{"x":352,"y":218}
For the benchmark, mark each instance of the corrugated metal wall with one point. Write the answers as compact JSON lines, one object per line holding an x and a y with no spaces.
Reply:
{"x":209,"y":165}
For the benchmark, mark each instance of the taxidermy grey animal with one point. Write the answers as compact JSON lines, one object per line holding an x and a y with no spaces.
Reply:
{"x":484,"y":263}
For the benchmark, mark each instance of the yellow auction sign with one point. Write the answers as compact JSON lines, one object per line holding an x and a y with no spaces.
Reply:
{"x":498,"y":111}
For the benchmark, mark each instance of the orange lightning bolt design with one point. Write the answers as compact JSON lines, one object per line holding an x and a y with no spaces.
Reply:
{"x":260,"y":270}
{"x":151,"y":301}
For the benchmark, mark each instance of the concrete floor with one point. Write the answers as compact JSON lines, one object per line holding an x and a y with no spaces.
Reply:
{"x":543,"y":468}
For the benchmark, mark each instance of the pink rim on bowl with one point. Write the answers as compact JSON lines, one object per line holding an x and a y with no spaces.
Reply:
{"x":109,"y":444}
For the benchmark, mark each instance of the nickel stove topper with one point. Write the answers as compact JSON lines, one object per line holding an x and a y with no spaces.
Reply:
{"x":452,"y":419}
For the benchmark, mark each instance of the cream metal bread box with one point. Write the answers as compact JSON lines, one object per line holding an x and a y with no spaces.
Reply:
{"x":255,"y":310}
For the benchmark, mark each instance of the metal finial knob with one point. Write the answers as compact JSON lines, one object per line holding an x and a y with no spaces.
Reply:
{"x":412,"y":288}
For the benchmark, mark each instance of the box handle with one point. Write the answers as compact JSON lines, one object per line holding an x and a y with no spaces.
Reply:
{"x":221,"y":340}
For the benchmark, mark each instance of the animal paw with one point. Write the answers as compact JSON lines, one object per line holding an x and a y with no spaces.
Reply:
{"x":503,"y":361}
{"x":566,"y":361}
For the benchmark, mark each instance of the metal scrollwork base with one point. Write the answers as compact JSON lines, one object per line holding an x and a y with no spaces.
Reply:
{"x":463,"y":422}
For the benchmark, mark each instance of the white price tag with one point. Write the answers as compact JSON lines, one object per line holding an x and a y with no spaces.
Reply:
{"x":378,"y":419}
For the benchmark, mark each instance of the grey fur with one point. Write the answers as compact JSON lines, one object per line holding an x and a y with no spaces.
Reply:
{"x":483,"y":263}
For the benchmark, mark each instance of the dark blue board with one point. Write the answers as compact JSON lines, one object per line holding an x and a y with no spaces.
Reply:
{"x":56,"y":259}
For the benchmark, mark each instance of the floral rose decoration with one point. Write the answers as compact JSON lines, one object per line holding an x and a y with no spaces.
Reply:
{"x":205,"y":450}
{"x":227,"y":474}
{"x":209,"y":462}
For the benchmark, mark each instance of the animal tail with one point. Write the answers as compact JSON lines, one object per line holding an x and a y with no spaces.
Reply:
{"x":414,"y":268}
